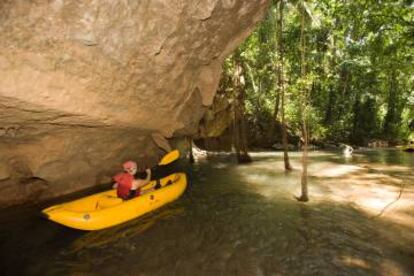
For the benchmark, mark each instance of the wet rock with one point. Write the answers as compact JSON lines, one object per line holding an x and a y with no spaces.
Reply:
{"x":104,"y":180}
{"x":4,"y":171}
{"x":161,"y":141}
{"x":217,"y":118}
{"x":28,"y":189}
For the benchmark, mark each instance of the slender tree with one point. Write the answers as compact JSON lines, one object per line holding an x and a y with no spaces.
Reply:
{"x":281,"y":85}
{"x":191,"y":154}
{"x":273,"y":32}
{"x":239,"y":122}
{"x":304,"y":102}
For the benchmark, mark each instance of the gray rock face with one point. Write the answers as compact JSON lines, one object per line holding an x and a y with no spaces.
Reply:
{"x":84,"y":84}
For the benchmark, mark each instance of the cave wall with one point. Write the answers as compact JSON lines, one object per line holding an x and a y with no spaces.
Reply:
{"x":84,"y":84}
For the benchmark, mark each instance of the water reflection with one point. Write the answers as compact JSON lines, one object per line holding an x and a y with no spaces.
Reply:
{"x":125,"y":231}
{"x":243,"y":220}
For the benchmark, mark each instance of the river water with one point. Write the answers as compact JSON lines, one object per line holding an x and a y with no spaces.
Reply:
{"x":242,"y":220}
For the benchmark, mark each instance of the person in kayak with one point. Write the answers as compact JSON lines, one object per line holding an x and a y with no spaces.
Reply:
{"x":130,"y":182}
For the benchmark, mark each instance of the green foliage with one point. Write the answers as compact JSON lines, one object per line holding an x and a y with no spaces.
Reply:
{"x":359,"y":64}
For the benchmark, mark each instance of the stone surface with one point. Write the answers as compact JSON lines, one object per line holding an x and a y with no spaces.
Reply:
{"x":217,"y":118}
{"x":84,"y":84}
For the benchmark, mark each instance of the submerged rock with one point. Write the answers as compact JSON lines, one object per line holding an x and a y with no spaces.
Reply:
{"x":84,"y":85}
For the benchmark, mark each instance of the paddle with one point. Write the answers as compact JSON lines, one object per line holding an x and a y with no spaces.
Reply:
{"x":166,"y":166}
{"x":170,"y":157}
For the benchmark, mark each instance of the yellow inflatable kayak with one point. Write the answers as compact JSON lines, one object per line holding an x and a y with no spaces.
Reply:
{"x":105,"y":209}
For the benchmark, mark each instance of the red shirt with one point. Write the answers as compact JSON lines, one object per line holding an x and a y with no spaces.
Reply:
{"x":124,"y":181}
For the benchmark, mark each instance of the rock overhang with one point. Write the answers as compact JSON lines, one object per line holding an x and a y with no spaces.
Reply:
{"x":109,"y":72}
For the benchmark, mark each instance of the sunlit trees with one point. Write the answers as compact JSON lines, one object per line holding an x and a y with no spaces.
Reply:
{"x":327,"y":71}
{"x":359,"y":68}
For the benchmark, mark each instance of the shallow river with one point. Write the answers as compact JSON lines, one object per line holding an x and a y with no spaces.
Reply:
{"x":242,"y":220}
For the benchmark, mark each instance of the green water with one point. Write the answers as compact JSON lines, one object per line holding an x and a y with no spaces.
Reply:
{"x":236,"y":220}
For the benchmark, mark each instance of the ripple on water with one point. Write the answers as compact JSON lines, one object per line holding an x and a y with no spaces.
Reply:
{"x":242,"y":220}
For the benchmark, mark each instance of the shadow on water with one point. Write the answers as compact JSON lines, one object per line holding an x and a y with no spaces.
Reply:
{"x":236,"y":220}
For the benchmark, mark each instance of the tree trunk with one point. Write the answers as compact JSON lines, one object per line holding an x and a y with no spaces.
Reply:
{"x":273,"y":122}
{"x":239,"y":123}
{"x":277,"y":69}
{"x":392,"y":118}
{"x":235,"y":125}
{"x":244,"y":156}
{"x":281,"y":84}
{"x":191,"y":155}
{"x":304,"y":178}
{"x":331,"y":104}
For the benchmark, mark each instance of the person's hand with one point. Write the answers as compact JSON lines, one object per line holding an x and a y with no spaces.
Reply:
{"x":115,"y":185}
{"x":135,"y":184}
{"x":148,"y":170}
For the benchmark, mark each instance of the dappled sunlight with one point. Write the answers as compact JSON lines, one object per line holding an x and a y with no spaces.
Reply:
{"x":353,"y":261}
{"x":270,"y":186}
{"x":264,"y":178}
{"x":373,"y":193}
{"x":332,"y":170}
{"x":376,"y":194}
{"x":388,"y":168}
{"x":373,"y":188}
{"x":387,"y":267}
{"x":397,"y":214}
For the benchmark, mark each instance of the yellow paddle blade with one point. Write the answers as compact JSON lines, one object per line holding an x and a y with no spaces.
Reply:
{"x":170,"y":157}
